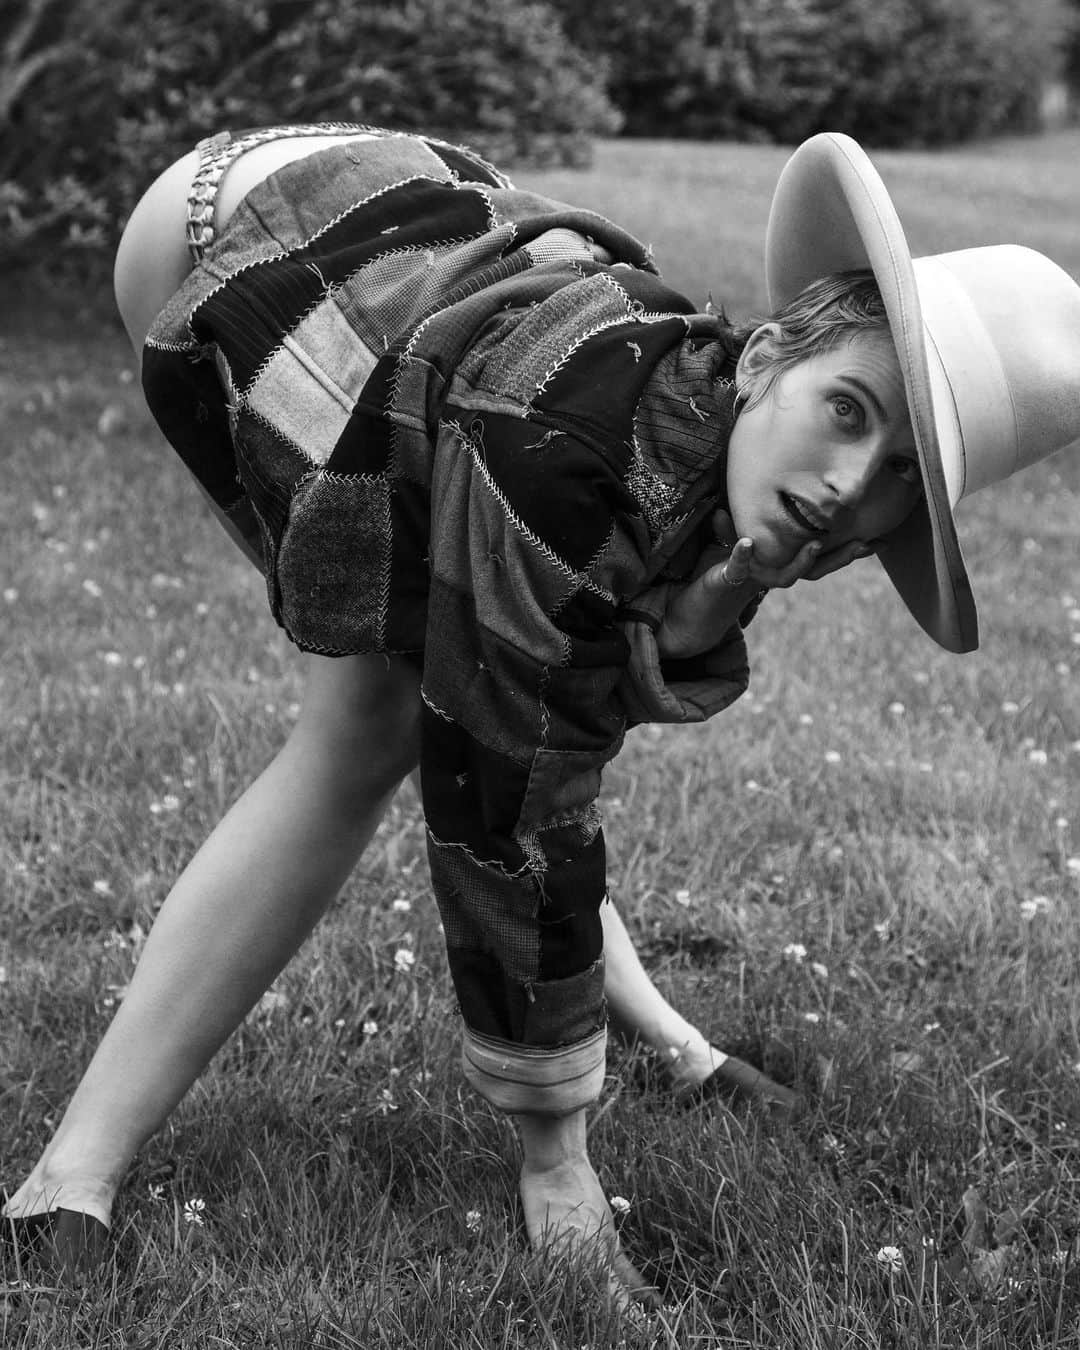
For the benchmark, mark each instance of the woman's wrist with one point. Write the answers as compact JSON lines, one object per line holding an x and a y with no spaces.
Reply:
{"x":682,"y":636}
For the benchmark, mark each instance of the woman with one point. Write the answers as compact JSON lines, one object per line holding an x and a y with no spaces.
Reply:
{"x":512,"y":495}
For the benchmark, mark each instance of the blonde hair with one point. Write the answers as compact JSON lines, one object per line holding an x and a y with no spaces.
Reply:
{"x":826,"y":314}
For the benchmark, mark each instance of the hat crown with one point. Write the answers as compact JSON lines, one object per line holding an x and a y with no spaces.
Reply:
{"x":1003,"y":323}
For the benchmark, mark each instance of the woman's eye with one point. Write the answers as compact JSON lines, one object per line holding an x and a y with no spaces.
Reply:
{"x":907,"y":469}
{"x":846,"y":409}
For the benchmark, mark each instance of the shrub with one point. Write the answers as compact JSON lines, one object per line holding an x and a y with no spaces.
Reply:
{"x":896,"y":72}
{"x":102,"y":94}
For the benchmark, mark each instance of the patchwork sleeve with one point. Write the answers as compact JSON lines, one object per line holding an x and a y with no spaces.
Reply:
{"x":689,"y":689}
{"x":522,"y":660}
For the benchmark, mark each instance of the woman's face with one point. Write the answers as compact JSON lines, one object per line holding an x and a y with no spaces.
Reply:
{"x":827,"y":454}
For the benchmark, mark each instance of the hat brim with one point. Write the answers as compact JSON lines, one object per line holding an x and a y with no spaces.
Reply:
{"x":831,"y":213}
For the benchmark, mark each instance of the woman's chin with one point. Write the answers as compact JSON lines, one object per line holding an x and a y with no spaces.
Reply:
{"x":773,"y":553}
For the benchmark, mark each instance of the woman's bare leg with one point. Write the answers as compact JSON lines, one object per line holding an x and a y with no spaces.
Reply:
{"x":234,"y":918}
{"x":639,"y":1010}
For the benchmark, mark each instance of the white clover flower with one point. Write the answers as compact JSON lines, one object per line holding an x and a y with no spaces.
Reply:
{"x":812,"y":1017}
{"x":619,"y":1205}
{"x":897,"y":709}
{"x":194,"y":1211}
{"x":370,"y":1028}
{"x":404,"y":960}
{"x":102,"y":887}
{"x":1073,"y":865}
{"x":92,"y":588}
{"x":892,"y":1258}
{"x":1038,"y":757}
{"x":805,"y":720}
{"x":820,"y":970}
{"x":1009,"y":708}
{"x":683,"y":898}
{"x":794,"y":951}
{"x":928,"y":1027}
{"x":10,"y":594}
{"x":473,"y":1220}
{"x":386,"y":1101}
{"x":832,"y":757}
{"x":1037,"y":904}
{"x":401,"y":906}
{"x":831,"y":1144}
{"x":112,"y":658}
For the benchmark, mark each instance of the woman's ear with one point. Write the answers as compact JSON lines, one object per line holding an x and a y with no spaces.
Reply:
{"x":757,"y":353}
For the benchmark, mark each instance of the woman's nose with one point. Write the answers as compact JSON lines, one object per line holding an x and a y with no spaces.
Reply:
{"x":851,"y":472}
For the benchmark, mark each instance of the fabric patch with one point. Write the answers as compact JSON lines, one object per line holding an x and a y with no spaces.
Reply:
{"x":334,"y":591}
{"x":306,"y":390}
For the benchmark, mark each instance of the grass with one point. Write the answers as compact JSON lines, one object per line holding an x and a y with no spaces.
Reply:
{"x":907,"y":817}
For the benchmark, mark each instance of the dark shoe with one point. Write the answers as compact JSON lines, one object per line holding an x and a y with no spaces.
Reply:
{"x":70,"y":1244}
{"x":737,"y":1079}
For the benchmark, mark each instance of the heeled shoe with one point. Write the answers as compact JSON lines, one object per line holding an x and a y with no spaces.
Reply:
{"x":65,"y":1241}
{"x":737,"y":1079}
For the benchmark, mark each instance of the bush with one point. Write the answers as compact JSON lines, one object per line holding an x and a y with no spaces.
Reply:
{"x":95,"y":108}
{"x":897,"y":72}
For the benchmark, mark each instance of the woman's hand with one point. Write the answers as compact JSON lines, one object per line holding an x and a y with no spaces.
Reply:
{"x":727,"y":578}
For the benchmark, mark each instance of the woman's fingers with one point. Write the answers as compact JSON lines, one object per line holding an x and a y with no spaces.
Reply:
{"x":837,"y":558}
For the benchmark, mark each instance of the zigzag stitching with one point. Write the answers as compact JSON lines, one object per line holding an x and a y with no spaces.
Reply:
{"x":177,"y":347}
{"x":257,"y":416}
{"x":581,"y":338}
{"x":544,"y":549}
{"x":635,"y":309}
{"x":405,"y":355}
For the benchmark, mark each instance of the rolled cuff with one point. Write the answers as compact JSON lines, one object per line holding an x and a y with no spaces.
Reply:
{"x":541,"y":1080}
{"x":692,"y":689}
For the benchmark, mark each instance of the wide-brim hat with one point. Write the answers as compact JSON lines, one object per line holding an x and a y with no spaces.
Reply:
{"x":988,"y":341}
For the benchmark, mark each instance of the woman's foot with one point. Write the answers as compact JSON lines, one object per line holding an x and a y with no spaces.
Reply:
{"x":567,"y":1217}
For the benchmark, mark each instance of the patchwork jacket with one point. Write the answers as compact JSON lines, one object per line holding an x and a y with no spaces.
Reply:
{"x":444,"y":429}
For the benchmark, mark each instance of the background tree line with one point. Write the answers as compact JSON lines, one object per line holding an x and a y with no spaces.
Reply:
{"x":96,"y":96}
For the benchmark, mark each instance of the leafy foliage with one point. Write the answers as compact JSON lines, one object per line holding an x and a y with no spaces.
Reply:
{"x":96,"y":96}
{"x":898,"y":72}
{"x":92,"y":109}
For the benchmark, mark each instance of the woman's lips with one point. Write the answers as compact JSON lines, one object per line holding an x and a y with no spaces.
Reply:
{"x":804,"y":515}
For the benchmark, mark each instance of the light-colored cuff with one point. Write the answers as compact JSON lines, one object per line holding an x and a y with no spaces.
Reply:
{"x":535,"y":1079}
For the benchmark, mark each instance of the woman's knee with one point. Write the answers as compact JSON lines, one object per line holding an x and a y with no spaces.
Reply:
{"x":363,"y":713}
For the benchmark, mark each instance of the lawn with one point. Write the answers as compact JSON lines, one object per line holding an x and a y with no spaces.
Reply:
{"x":865,"y":876}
